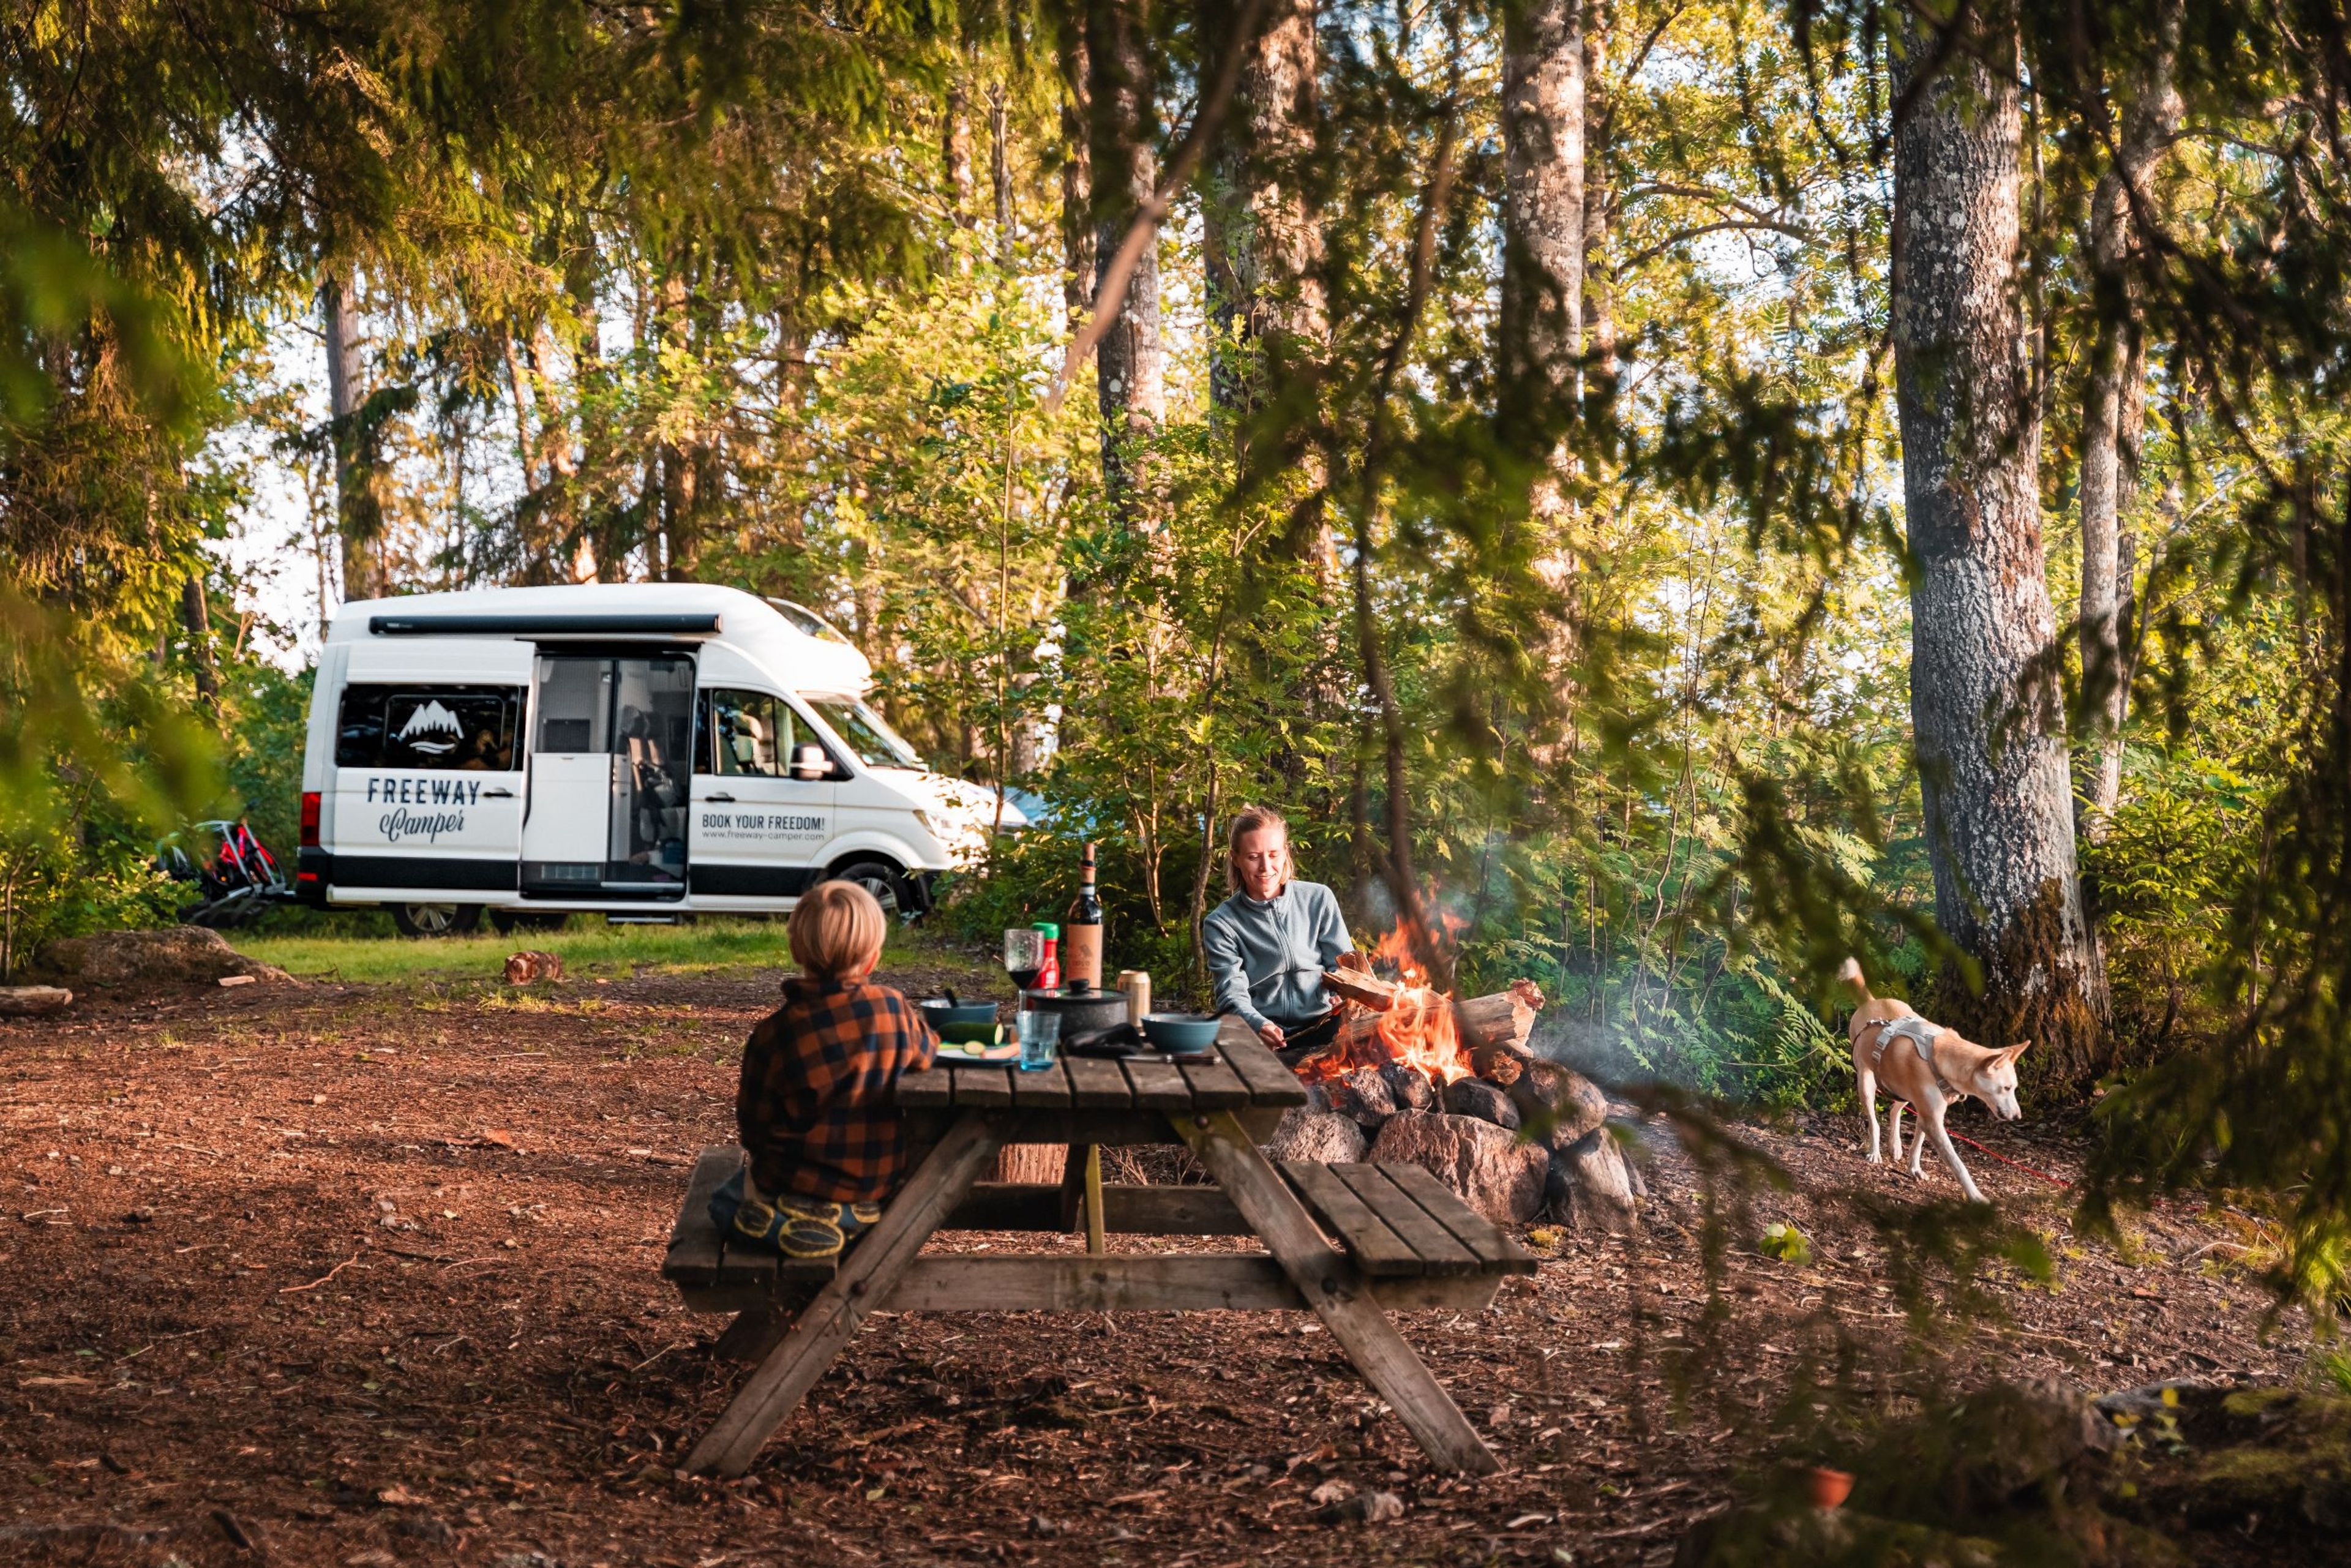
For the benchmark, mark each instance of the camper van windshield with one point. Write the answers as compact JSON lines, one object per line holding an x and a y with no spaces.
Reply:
{"x":876,"y":743}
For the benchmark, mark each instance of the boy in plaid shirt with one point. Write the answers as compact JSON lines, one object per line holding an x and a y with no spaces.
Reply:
{"x":825,"y":1148}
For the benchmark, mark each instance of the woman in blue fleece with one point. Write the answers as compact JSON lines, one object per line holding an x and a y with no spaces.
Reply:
{"x":1269,"y":942}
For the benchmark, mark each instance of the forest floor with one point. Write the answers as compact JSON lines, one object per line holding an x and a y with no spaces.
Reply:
{"x":367,"y":1273}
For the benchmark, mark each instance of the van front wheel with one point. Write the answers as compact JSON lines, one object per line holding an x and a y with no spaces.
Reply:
{"x":435,"y":919}
{"x":881,"y":879}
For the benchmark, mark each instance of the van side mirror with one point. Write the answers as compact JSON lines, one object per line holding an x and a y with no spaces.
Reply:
{"x":809,"y":762}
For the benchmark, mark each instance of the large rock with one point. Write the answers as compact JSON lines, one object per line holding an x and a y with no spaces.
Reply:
{"x":1363,"y":1094}
{"x":1476,"y":1097}
{"x":1410,"y":1087}
{"x":183,"y":955}
{"x":1324,"y":1136}
{"x":1559,"y":1104}
{"x":1496,"y":1174}
{"x":1590,"y":1185}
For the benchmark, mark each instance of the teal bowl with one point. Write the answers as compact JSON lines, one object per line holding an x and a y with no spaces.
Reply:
{"x":1180,"y":1032}
{"x":942,"y":1014}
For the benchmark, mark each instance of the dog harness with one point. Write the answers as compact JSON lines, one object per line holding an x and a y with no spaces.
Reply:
{"x":1919,"y":1034}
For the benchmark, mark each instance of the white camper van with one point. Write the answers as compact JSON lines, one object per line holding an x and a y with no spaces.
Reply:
{"x":637,"y":749}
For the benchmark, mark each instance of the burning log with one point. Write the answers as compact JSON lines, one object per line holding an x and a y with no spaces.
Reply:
{"x":1363,"y":990}
{"x":1506,"y":1017}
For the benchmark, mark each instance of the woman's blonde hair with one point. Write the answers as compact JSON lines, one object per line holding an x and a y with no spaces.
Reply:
{"x":1246,"y":820}
{"x":836,"y":931}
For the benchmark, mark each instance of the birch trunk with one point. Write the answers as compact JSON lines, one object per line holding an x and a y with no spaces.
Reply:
{"x":1131,"y":363}
{"x":1988,"y":722}
{"x":2113,"y":405}
{"x":359,"y":515}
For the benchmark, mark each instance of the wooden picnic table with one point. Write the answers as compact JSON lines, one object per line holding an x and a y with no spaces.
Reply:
{"x":1348,"y":1242}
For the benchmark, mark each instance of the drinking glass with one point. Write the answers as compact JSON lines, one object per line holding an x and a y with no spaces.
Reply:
{"x":1039,"y":1033}
{"x":1024,"y":954}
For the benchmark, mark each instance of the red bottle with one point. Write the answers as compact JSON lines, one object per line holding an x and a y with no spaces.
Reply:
{"x":1049,"y":972}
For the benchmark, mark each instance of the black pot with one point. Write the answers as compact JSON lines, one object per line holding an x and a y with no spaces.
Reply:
{"x":1081,"y":1010}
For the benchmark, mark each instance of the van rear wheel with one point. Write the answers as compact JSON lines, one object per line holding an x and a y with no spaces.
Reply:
{"x":881,"y":879}
{"x":435,"y":919}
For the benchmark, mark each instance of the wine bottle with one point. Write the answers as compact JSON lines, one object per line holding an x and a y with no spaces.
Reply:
{"x":1082,"y":933}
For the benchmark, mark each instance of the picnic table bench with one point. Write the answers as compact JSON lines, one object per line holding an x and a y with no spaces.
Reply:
{"x":1348,"y":1242}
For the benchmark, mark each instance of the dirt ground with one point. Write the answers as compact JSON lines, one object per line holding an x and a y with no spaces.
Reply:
{"x":335,"y":1274}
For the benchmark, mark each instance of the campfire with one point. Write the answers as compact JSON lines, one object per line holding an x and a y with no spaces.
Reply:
{"x":1415,"y":1074}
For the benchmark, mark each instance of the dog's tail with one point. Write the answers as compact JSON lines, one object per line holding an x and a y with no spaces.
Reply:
{"x":1849,"y":973}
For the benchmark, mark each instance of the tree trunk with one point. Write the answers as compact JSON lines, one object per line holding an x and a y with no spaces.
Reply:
{"x":1130,"y":365}
{"x":1077,"y":174}
{"x":2113,"y":405}
{"x":358,"y":513}
{"x":1988,"y":722}
{"x":956,"y":151}
{"x":999,"y":169}
{"x":1541,"y":320}
{"x":196,"y":615}
{"x":1599,"y":280}
{"x":1263,"y":241}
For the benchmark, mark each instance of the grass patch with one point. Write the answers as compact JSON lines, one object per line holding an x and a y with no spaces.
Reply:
{"x":368,"y":952}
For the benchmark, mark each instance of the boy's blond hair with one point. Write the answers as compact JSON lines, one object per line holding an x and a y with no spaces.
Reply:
{"x":836,"y":931}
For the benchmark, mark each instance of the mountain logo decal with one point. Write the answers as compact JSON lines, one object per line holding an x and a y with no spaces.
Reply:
{"x":430,"y":730}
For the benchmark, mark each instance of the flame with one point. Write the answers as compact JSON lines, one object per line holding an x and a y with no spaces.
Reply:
{"x":1418,"y":1032}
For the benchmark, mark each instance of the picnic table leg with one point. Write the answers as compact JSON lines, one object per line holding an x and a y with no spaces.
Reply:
{"x":1337,"y":1292}
{"x":867,"y":1275}
{"x":1081,"y":1193}
{"x":1093,"y":1200}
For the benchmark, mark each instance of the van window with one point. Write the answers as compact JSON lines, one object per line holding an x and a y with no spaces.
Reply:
{"x":466,"y":730}
{"x":751,"y":735}
{"x":866,"y":733}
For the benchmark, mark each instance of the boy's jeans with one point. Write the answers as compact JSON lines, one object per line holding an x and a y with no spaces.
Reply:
{"x":787,"y":1226}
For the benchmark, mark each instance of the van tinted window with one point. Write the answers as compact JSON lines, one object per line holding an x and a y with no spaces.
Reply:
{"x":469,"y":729}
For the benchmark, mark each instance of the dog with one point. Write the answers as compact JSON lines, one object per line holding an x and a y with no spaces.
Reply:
{"x":1930,"y":1067}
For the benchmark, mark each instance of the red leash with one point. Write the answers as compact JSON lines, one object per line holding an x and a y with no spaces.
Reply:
{"x":1995,"y":1154}
{"x":2003,"y":1159}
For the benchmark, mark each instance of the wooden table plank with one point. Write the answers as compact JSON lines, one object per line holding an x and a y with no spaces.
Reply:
{"x":1158,"y":1086}
{"x":1338,"y":1292}
{"x":985,"y":1087}
{"x":1441,"y":1251}
{"x":1047,"y":1089}
{"x":1214,"y":1085}
{"x":1493,"y":1245}
{"x":870,"y":1272}
{"x":1376,"y":1249}
{"x":694,"y":1249}
{"x":1269,"y":1082}
{"x":933,"y":1089}
{"x":1097,"y":1084}
{"x":1131,"y":1282}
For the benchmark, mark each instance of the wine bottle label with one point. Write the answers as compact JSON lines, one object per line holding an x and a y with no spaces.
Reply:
{"x":1082,"y":954}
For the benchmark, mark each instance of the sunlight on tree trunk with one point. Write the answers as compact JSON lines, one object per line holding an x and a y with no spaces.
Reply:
{"x":1986,"y":714}
{"x":1131,"y":366}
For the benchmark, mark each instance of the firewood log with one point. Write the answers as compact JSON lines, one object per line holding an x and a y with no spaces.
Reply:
{"x":1503,"y":1019}
{"x":1366,"y":991}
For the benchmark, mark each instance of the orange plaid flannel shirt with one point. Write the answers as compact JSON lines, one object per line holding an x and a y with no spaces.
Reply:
{"x":814,"y":1106}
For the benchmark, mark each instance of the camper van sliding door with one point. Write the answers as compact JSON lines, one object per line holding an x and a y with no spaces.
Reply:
{"x":609,"y":772}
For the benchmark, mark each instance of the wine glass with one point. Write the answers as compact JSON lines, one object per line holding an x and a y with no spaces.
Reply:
{"x":1024,"y":955}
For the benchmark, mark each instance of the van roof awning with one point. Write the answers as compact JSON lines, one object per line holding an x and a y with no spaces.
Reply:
{"x":392,"y":624}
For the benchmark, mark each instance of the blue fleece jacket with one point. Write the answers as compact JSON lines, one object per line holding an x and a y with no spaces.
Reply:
{"x":1266,"y":957}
